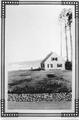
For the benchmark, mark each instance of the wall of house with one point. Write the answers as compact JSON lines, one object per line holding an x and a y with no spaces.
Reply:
{"x":53,"y":62}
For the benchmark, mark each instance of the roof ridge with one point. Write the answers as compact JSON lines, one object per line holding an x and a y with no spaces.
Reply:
{"x":47,"y":57}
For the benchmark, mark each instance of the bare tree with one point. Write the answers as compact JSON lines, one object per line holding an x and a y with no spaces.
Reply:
{"x":69,"y":15}
{"x":60,"y":35}
{"x":66,"y":17}
{"x":63,"y":18}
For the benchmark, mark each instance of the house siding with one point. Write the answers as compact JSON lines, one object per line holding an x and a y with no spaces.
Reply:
{"x":54,"y":62}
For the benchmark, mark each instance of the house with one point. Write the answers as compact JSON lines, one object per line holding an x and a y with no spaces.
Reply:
{"x":53,"y":61}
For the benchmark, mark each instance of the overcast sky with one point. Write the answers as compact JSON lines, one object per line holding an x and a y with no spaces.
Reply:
{"x":32,"y":32}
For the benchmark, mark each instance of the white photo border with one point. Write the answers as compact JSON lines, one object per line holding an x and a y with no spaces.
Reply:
{"x":3,"y":16}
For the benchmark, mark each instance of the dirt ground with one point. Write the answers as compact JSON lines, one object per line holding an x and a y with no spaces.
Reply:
{"x":40,"y":105}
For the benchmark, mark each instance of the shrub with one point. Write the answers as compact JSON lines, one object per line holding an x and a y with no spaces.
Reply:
{"x":42,"y":87}
{"x":68,"y":65}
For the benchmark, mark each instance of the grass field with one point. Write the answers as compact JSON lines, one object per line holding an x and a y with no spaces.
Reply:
{"x":28,"y":81}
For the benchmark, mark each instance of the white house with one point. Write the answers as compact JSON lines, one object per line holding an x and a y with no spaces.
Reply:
{"x":53,"y":61}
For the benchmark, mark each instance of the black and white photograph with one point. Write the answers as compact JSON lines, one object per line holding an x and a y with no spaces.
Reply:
{"x":40,"y":57}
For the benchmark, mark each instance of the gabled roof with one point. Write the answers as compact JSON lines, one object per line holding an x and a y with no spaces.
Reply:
{"x":46,"y":57}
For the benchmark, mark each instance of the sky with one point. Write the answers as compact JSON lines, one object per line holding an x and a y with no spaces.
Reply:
{"x":33,"y":31}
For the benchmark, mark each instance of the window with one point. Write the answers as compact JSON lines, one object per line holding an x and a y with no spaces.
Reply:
{"x":51,"y":65}
{"x":48,"y":65}
{"x":54,"y":59}
{"x":59,"y":65}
